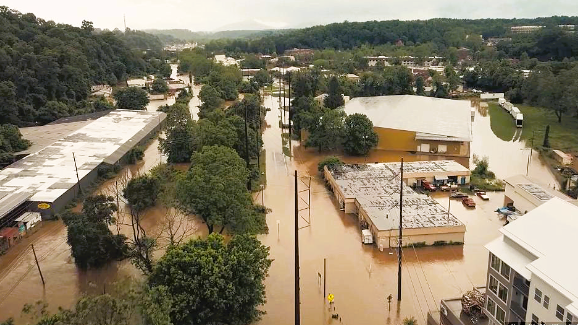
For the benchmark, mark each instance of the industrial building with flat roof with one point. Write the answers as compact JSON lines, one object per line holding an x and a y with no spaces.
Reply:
{"x":372,"y":192}
{"x":525,"y":194}
{"x":432,"y":127}
{"x":47,"y":180}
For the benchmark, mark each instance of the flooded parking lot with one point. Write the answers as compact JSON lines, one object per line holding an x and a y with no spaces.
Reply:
{"x":360,"y":276}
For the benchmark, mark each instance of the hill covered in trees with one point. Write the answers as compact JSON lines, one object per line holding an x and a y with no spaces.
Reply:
{"x":169,"y":36}
{"x":46,"y":68}
{"x":442,"y":32}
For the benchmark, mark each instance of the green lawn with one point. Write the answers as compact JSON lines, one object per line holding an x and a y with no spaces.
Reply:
{"x":563,"y":136}
{"x":501,"y":122}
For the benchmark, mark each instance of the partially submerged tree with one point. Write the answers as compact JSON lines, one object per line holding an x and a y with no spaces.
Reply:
{"x":90,"y":239}
{"x":213,"y":282}
{"x":359,"y":136}
{"x":334,"y":98}
{"x":131,"y":98}
{"x":327,"y":132}
{"x":215,"y":190}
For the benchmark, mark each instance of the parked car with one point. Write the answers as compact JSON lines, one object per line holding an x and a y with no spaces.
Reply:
{"x":458,"y":195}
{"x":448,"y":187}
{"x":482,"y":195}
{"x":469,"y":202}
{"x":428,"y":186}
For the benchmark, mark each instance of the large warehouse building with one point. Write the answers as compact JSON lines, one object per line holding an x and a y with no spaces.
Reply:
{"x":433,"y":127}
{"x":372,"y":192}
{"x":47,"y":180}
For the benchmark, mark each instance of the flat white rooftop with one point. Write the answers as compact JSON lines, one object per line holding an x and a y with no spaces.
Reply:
{"x":50,"y":172}
{"x":376,"y":187}
{"x":536,"y":190}
{"x":430,"y":118}
{"x":548,"y":232}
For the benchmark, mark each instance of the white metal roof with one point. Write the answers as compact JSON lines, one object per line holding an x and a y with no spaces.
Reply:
{"x":539,"y":192}
{"x":450,"y":119}
{"x":549,"y":232}
{"x":50,"y":172}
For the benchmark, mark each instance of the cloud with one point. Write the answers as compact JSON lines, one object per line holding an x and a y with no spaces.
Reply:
{"x":209,"y":15}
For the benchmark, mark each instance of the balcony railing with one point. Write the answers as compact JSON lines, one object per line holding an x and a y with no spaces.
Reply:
{"x":520,"y":284}
{"x":517,"y":309}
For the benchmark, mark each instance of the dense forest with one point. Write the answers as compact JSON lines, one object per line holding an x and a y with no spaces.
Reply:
{"x":171,"y":36}
{"x":442,"y":32}
{"x":47,"y":69}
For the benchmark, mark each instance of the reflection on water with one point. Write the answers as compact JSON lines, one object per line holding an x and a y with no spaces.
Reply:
{"x":19,"y":279}
{"x":360,"y":276}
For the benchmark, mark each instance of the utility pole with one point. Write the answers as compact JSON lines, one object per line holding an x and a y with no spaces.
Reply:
{"x":77,"y":178}
{"x":531,"y":151}
{"x":324,"y":277}
{"x":247,"y":148}
{"x":38,"y":265}
{"x":124,"y":18}
{"x":399,"y":244}
{"x":297,"y":299}
{"x":289,"y":122}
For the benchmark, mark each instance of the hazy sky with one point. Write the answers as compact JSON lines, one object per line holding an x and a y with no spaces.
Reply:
{"x":212,"y":14}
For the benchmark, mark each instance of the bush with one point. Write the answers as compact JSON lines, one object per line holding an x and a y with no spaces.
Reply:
{"x":331,"y":162}
{"x":108,"y":171}
{"x":135,"y":154}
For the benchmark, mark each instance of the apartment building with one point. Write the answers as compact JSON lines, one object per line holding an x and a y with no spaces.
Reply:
{"x":531,"y":272}
{"x":525,"y":29}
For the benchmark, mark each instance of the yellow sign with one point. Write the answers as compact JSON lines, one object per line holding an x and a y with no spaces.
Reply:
{"x":43,"y":206}
{"x":330,"y":297}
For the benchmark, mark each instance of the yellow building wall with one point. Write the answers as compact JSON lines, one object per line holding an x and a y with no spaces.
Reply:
{"x":399,"y":140}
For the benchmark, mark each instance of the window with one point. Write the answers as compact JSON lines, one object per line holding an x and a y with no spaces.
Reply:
{"x":505,"y":272}
{"x":503,"y":293}
{"x":535,"y":319}
{"x":442,"y":148}
{"x":500,"y":315}
{"x":538,"y":295}
{"x":569,"y":318}
{"x":495,"y":262}
{"x":491,"y":306}
{"x":559,"y":312}
{"x":493,"y":285}
{"x":546,"y":301}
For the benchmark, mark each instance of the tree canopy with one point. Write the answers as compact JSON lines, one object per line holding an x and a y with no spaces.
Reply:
{"x":359,"y":136}
{"x":47,"y":69}
{"x":131,"y":98}
{"x":213,"y":282}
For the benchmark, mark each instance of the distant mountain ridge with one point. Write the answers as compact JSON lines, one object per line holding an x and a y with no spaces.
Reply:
{"x":175,"y":35}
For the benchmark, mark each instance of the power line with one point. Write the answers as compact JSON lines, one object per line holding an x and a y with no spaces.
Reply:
{"x":426,"y":281}
{"x":414,"y":290}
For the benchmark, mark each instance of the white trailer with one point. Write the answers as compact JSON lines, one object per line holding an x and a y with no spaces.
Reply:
{"x":513,"y":111}
{"x":366,"y":236}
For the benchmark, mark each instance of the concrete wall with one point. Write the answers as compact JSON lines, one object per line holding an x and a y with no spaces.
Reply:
{"x":538,"y":309}
{"x":523,"y":200}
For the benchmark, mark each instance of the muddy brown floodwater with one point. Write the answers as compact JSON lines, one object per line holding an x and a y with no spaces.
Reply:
{"x":360,"y":276}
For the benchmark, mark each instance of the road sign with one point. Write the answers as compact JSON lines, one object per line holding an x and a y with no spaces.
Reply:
{"x":330,"y":297}
{"x":43,"y":206}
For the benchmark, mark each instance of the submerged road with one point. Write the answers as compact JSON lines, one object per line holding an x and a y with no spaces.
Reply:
{"x":360,"y":276}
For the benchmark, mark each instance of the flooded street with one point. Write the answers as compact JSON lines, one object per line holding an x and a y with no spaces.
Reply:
{"x":360,"y":276}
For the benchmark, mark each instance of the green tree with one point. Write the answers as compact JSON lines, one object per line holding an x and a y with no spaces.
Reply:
{"x":129,"y":303}
{"x":141,"y":192}
{"x":211,"y":100}
{"x":327,"y":132}
{"x":419,"y":85}
{"x":409,"y":321}
{"x":165,"y":70}
{"x":233,"y":271}
{"x":91,"y":241}
{"x":546,"y":143}
{"x":131,"y":98}
{"x":331,"y":162}
{"x":178,"y":143}
{"x":262,"y":78}
{"x":452,"y":78}
{"x":214,"y":188}
{"x":334,"y":98}
{"x":159,"y":86}
{"x":359,"y":136}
